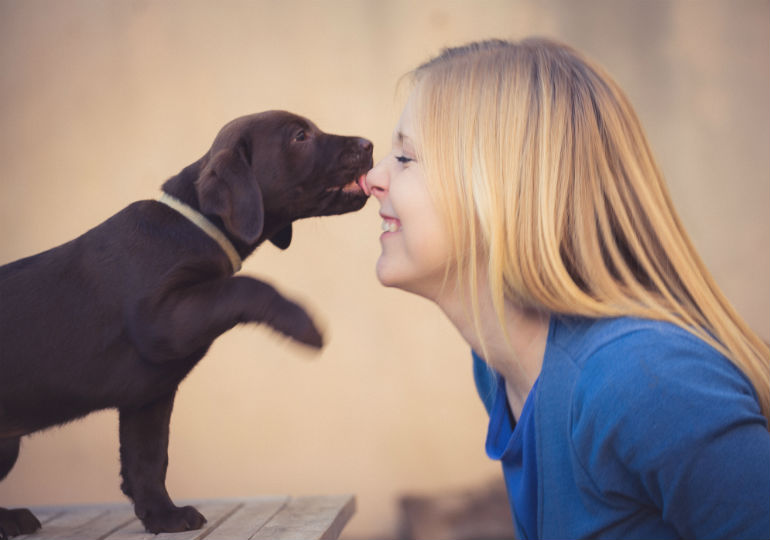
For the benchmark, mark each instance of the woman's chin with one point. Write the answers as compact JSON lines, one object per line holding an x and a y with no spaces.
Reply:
{"x":384,"y":274}
{"x":390,"y":275}
{"x":397,"y":276}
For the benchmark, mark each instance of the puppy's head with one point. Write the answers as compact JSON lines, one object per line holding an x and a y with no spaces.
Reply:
{"x":266,"y":170}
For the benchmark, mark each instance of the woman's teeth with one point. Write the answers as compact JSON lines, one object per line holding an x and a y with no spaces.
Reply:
{"x":390,"y":226}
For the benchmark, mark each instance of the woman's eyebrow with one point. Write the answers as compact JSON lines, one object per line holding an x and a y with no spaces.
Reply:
{"x":402,"y":137}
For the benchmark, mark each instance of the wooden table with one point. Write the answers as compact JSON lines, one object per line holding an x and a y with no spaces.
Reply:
{"x":275,"y":518}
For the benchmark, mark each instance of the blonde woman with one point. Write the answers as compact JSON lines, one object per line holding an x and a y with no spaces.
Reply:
{"x":627,"y":399}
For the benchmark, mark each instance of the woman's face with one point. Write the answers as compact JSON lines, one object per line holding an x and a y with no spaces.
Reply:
{"x":415,"y":244}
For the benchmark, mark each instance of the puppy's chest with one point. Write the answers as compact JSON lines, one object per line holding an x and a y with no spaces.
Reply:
{"x":135,"y":381}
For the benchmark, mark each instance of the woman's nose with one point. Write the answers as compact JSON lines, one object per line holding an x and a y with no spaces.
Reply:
{"x":377,"y":180}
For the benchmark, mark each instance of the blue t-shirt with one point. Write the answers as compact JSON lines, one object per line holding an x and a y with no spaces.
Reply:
{"x":641,"y":430}
{"x":513,"y":443}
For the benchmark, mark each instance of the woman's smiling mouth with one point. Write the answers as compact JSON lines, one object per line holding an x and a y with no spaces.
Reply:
{"x":390,"y":224}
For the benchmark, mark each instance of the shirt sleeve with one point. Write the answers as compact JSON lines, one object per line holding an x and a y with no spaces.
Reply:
{"x":669,"y":423}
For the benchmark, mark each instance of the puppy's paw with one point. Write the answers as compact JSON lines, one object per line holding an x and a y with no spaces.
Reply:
{"x":175,"y":519}
{"x":293,"y":321}
{"x":16,"y":522}
{"x":310,"y":335}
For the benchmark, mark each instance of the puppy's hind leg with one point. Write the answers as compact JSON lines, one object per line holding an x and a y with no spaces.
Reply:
{"x":143,"y":463}
{"x":19,"y":520}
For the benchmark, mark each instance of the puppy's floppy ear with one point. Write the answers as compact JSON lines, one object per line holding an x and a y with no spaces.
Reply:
{"x":282,"y":238}
{"x":228,"y":188}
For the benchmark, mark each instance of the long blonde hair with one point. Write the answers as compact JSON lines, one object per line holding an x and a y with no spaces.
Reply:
{"x":543,"y":173}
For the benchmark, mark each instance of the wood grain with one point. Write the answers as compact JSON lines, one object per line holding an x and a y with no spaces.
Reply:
{"x":276,"y":518}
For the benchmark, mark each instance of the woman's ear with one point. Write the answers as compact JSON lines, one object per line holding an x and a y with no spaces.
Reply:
{"x":228,"y":188}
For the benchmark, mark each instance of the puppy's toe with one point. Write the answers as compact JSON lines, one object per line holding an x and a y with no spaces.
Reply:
{"x":293,"y":321}
{"x":312,"y":337}
{"x":175,"y":519}
{"x":192,"y":518}
{"x":17,"y":521}
{"x":306,"y":332}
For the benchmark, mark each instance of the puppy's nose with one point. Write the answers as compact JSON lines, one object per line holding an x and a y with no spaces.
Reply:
{"x":365,"y":144}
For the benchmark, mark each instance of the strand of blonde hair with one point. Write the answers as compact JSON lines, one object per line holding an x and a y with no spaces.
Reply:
{"x":546,"y":179}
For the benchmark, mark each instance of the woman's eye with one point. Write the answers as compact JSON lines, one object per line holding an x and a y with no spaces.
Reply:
{"x":403,"y":159}
{"x":300,"y":136}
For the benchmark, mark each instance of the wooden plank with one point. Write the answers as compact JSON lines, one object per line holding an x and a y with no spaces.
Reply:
{"x":66,"y":521}
{"x":44,"y":514}
{"x":344,"y":513}
{"x":279,"y":518}
{"x":107,"y":522}
{"x":84,"y":522}
{"x":214,"y":511}
{"x":321,"y":517}
{"x":249,"y":518}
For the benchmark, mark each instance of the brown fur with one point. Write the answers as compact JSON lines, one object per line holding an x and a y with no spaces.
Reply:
{"x":117,"y":317}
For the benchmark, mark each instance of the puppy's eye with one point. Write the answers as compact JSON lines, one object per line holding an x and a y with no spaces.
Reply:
{"x":300,"y":136}
{"x":403,"y":159}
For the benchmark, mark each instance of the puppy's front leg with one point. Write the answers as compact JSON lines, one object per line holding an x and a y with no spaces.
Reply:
{"x":143,"y":463}
{"x":19,"y":520}
{"x":186,"y":319}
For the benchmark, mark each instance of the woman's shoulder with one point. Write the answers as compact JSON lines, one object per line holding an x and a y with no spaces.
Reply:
{"x":627,"y":352}
{"x":638,"y":373}
{"x":585,"y":340}
{"x":654,"y":414}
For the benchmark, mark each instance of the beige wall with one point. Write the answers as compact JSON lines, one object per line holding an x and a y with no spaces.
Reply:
{"x":101,"y":101}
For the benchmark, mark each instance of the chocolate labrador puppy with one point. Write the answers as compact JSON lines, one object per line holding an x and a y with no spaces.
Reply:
{"x":117,"y":317}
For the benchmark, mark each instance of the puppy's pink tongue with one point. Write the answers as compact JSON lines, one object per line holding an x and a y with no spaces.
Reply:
{"x":362,"y":183}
